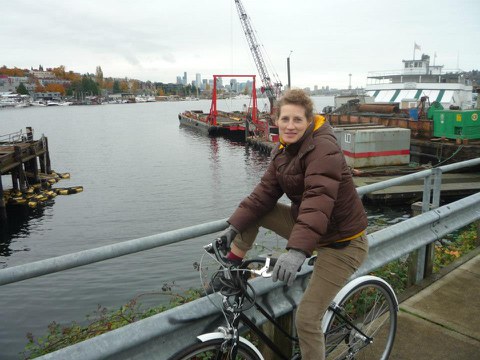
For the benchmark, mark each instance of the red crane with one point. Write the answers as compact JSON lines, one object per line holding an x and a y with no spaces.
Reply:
{"x":271,"y":88}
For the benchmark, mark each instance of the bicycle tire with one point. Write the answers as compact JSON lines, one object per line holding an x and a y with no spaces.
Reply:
{"x":372,"y":307}
{"x":210,"y":350}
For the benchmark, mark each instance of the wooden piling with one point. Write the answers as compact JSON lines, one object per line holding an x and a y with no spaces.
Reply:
{"x":3,"y":209}
{"x":19,"y":169}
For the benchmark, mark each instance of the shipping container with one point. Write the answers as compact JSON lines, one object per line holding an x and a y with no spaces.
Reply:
{"x":456,"y":124}
{"x":376,"y":147}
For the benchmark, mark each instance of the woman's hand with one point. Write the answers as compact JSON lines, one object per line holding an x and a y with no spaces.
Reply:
{"x":288,"y":265}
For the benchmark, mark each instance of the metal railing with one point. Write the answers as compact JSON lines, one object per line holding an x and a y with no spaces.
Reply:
{"x":12,"y":137}
{"x":164,"y":334}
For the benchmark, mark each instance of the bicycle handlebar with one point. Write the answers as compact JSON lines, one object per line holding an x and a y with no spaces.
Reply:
{"x":218,"y":248}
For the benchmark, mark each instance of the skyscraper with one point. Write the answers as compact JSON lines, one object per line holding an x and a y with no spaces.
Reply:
{"x":198,"y":80}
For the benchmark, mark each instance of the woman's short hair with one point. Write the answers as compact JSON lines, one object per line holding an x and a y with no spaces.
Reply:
{"x":296,"y":97}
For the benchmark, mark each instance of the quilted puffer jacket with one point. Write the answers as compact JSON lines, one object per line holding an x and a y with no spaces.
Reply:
{"x":314,"y":175}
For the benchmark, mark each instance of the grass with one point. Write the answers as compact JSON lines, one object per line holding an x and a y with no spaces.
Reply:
{"x":101,"y":321}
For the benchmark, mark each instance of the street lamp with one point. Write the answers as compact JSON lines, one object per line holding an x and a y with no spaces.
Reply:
{"x":288,"y":70}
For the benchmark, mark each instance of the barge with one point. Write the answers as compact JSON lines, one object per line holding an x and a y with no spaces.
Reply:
{"x":233,"y":125}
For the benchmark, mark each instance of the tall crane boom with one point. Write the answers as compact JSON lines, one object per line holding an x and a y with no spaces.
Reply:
{"x":272,"y":89}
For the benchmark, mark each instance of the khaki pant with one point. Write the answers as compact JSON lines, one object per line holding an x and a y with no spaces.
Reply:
{"x":331,"y":272}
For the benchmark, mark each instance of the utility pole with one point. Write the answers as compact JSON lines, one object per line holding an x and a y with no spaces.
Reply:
{"x":288,"y":70}
{"x":350,"y":82}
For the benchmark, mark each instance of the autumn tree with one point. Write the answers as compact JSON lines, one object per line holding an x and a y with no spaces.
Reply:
{"x":55,"y":88}
{"x":12,"y":72}
{"x":59,"y":72}
{"x":124,"y":86}
{"x":108,"y":84}
{"x":134,"y":86}
{"x":39,"y":88}
{"x":73,"y":76}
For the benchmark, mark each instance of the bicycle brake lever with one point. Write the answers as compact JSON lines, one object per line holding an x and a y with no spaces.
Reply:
{"x":263,"y":272}
{"x":209,"y":248}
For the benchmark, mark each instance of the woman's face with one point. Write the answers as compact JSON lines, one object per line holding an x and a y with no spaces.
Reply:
{"x":292,"y":123}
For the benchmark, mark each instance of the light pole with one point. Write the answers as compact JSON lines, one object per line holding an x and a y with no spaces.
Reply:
{"x":288,"y":70}
{"x":350,"y":82}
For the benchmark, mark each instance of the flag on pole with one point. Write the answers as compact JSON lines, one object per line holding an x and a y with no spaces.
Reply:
{"x":417,"y":47}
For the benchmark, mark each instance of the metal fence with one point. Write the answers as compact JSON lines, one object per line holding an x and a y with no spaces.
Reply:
{"x":162,"y":335}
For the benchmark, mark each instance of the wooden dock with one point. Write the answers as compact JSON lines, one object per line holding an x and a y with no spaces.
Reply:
{"x":20,"y":156}
{"x":454,"y":186}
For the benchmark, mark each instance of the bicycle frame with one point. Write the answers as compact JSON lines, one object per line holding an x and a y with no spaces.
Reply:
{"x":232,"y":337}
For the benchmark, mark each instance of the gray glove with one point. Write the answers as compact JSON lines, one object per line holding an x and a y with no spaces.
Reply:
{"x":287,"y":266}
{"x":226,"y":237}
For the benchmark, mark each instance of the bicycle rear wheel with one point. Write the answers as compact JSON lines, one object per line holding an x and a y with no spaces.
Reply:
{"x":211,"y":350}
{"x":372,"y":308}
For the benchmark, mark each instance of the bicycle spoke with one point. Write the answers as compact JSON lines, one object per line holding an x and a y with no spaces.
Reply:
{"x":370,"y":309}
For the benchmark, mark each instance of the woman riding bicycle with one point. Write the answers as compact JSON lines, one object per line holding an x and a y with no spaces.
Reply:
{"x":326,"y":214}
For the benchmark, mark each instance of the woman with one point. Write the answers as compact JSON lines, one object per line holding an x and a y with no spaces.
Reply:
{"x":326,"y":214}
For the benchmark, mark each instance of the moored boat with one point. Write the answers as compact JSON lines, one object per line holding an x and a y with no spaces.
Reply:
{"x":234,"y":125}
{"x":417,"y":79}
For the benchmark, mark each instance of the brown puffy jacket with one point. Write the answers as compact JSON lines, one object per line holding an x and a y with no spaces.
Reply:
{"x":315,"y":177}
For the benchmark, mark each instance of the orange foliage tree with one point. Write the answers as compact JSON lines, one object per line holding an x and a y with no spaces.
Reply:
{"x":55,"y":88}
{"x":124,"y":86}
{"x":12,"y":72}
{"x":39,"y":88}
{"x":59,"y":72}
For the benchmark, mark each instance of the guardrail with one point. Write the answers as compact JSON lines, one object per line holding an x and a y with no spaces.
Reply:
{"x":162,"y":335}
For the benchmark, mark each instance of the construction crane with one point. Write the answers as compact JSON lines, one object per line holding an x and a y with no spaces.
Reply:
{"x":271,"y":88}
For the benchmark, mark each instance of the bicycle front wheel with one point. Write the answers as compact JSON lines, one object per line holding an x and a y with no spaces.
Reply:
{"x":212,"y":350}
{"x":371,"y":307}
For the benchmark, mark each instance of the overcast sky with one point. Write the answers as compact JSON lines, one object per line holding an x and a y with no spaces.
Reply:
{"x":158,"y":40}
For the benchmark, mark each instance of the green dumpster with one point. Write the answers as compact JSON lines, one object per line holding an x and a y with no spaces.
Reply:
{"x":456,"y":124}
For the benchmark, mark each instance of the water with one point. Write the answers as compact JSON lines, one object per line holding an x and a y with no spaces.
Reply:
{"x":142,"y":175}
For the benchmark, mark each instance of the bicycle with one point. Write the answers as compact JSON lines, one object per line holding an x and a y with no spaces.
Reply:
{"x":359,"y":324}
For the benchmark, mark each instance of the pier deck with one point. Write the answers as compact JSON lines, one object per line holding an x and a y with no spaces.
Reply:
{"x":453,"y":186}
{"x":18,"y":158}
